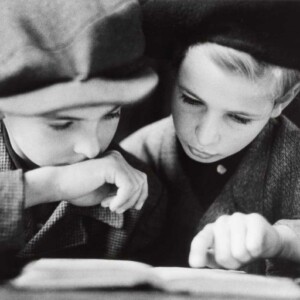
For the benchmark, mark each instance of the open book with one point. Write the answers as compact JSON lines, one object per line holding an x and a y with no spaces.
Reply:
{"x":98,"y":273}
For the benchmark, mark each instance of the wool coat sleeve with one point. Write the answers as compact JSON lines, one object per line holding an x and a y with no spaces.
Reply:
{"x":11,"y":220}
{"x":147,"y":143}
{"x":282,"y":188}
{"x":11,"y":209}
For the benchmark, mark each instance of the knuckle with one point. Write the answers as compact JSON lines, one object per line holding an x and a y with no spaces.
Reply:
{"x":255,"y":249}
{"x":236,"y":220}
{"x":115,"y":155}
{"x":237,"y":216}
{"x":135,"y":189}
{"x":221,"y":221}
{"x":227,"y":262}
{"x":240,"y":255}
{"x":206,"y":229}
{"x":137,"y":186}
{"x":256,"y":220}
{"x":197,"y":240}
{"x":234,"y":266}
{"x":255,"y":217}
{"x":222,"y":259}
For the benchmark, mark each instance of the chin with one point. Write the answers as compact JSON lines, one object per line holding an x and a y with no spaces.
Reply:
{"x":204,"y":160}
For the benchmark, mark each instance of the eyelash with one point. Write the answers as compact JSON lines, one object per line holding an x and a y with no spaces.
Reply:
{"x":189,"y":100}
{"x":113,"y":115}
{"x":66,"y":125}
{"x":59,"y":127}
{"x":235,"y":118}
{"x":240,"y":120}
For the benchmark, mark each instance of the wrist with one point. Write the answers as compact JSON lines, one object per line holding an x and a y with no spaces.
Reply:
{"x":289,"y":247}
{"x":40,"y":186}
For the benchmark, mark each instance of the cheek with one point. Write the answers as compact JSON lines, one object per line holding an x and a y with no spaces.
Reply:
{"x":182,"y":124}
{"x":40,"y":147}
{"x":239,"y":140}
{"x":184,"y":120}
{"x":106,"y":133}
{"x":44,"y":148}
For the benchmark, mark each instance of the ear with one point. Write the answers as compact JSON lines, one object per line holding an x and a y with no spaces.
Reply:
{"x":284,"y":101}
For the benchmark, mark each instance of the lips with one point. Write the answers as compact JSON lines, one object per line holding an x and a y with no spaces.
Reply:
{"x":201,"y":154}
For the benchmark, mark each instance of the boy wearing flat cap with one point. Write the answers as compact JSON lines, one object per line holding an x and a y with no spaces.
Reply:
{"x":230,"y":162}
{"x":66,"y":68}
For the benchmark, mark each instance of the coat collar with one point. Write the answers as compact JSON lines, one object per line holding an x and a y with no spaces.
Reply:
{"x":101,"y":214}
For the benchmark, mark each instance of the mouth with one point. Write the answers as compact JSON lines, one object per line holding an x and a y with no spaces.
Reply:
{"x":201,"y":154}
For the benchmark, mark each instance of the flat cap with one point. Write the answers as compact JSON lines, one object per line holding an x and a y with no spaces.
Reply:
{"x":56,"y":54}
{"x":267,"y":29}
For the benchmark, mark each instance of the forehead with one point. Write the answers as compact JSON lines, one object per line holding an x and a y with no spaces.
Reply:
{"x":199,"y":74}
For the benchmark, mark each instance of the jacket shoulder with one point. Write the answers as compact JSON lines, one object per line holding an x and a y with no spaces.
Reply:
{"x":148,"y":142}
{"x":286,"y":140}
{"x":283,"y":174}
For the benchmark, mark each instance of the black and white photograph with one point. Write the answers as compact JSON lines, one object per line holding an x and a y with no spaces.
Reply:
{"x":150,"y":149}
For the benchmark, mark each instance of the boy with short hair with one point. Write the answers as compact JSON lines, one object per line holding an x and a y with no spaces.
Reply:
{"x":229,"y":162}
{"x":66,"y":68}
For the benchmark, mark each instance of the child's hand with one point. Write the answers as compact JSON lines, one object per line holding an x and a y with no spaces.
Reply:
{"x":89,"y":183}
{"x":94,"y":178}
{"x":233,"y":241}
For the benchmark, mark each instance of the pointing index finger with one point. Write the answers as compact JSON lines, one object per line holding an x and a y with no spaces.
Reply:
{"x":200,"y":246}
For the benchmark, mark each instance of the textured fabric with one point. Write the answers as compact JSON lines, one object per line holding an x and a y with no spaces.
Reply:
{"x":267,"y":181}
{"x":268,"y":30}
{"x":72,"y":231}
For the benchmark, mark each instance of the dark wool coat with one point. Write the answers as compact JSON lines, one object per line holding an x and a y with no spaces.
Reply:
{"x":267,"y":181}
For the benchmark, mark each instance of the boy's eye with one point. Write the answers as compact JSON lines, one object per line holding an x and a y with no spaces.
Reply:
{"x":61,"y":125}
{"x":190,"y":100}
{"x":239,"y":119}
{"x":113,"y":115}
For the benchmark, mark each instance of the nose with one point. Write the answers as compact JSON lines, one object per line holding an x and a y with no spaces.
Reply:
{"x":88,"y":144}
{"x":207,"y":131}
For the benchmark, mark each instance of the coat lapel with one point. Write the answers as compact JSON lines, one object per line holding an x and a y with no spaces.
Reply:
{"x":248,"y":183}
{"x":65,"y":229}
{"x":60,"y":231}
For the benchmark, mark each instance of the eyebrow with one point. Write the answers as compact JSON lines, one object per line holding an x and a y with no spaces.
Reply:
{"x":71,"y":118}
{"x":241,"y":113}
